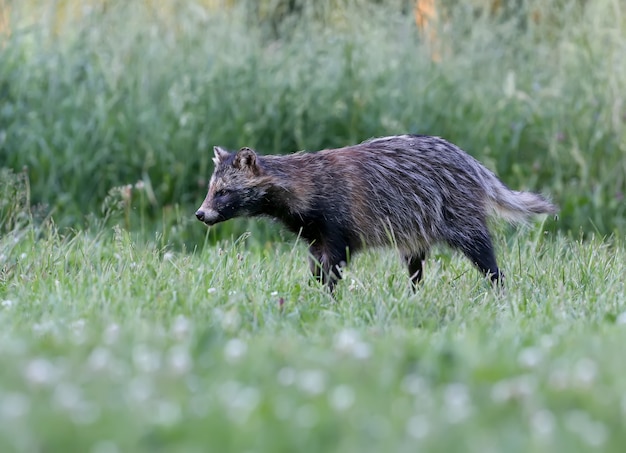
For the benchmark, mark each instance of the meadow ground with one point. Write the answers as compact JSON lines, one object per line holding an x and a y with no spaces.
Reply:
{"x":111,"y":344}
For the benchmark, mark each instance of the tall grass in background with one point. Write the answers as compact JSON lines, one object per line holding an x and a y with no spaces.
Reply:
{"x":100,"y":95}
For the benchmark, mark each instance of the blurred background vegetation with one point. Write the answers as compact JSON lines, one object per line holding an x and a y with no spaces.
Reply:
{"x":115,"y":103}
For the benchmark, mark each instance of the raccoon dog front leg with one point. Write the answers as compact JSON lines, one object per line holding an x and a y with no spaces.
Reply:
{"x":414,"y":263}
{"x":325,"y":262}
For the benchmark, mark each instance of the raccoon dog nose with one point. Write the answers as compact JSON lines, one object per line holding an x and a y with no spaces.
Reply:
{"x":200,"y":215}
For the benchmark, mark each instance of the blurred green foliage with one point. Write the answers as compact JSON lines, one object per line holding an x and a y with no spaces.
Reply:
{"x":123,"y":92}
{"x":14,"y":206}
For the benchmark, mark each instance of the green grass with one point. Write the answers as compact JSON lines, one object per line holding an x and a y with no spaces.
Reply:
{"x":111,"y":343}
{"x":138,"y":330}
{"x":104,"y":97}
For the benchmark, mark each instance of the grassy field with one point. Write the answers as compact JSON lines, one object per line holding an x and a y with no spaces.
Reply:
{"x":126,"y":326}
{"x":112,"y":344}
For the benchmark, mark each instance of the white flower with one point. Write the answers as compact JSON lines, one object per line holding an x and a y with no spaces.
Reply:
{"x":585,"y":372}
{"x":594,"y":433}
{"x":235,"y":350}
{"x":67,"y":396}
{"x":341,"y":398}
{"x":8,"y":303}
{"x":166,"y":413}
{"x":146,"y":359}
{"x":418,"y":426}
{"x":346,"y":340}
{"x":78,"y":325}
{"x":349,"y":342}
{"x":140,"y":389}
{"x":40,"y":371}
{"x":111,"y":333}
{"x":414,"y":384}
{"x":179,"y":360}
{"x":181,"y":327}
{"x":547,"y":342}
{"x":286,"y":376}
{"x":78,"y":329}
{"x":231,"y":320}
{"x":362,"y":351}
{"x":529,"y":357}
{"x":238,"y":400}
{"x":542,"y":422}
{"x":312,"y":382}
{"x":244,"y":402}
{"x":457,"y":400}
{"x":44,"y":327}
{"x":14,"y":405}
{"x":515,"y":388}
{"x":99,"y":359}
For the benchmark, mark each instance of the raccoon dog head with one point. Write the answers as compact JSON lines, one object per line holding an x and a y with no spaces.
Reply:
{"x":236,"y":187}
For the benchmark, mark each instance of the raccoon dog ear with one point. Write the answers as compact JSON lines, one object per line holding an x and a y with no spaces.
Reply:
{"x":220,"y":155}
{"x":246,"y":159}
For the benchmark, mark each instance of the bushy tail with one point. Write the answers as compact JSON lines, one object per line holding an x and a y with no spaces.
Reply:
{"x":515,"y":206}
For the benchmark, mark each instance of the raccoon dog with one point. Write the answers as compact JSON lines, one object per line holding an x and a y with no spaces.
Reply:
{"x":406,"y":191}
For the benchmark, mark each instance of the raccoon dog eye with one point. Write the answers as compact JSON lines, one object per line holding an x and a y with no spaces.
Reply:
{"x":221,"y":193}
